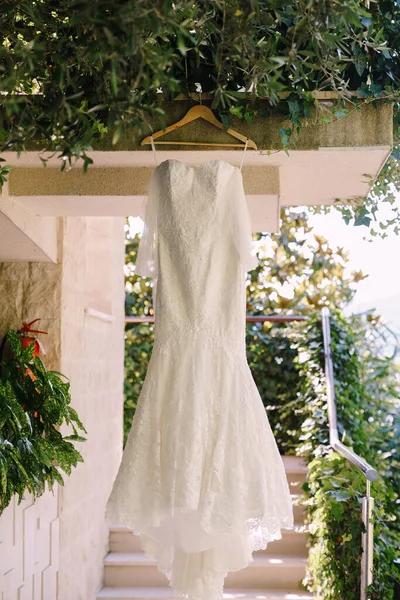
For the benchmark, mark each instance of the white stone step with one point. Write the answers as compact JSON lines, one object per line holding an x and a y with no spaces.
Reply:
{"x":125,"y":569}
{"x":296,"y":472}
{"x":293,"y":542}
{"x":298,"y":509}
{"x":294,"y":464}
{"x":275,"y":574}
{"x":161,"y":593}
{"x":269,"y":571}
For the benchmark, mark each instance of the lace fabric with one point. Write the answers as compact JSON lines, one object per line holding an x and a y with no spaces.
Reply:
{"x":147,"y":260}
{"x":241,"y":223}
{"x":147,"y":256}
{"x":201,"y":479}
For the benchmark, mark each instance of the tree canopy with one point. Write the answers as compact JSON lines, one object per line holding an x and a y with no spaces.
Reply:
{"x":287,"y":362}
{"x":71,"y":71}
{"x":299,"y":272}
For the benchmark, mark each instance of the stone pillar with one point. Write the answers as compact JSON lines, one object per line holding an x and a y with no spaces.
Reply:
{"x":93,"y":358}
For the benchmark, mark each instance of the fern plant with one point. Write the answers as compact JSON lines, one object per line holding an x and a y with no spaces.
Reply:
{"x":34,"y":403}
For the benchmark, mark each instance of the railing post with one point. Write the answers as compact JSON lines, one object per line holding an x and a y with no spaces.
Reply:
{"x":367,"y":543}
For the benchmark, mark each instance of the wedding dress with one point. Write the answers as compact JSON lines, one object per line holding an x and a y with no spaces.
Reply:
{"x":201,"y":479}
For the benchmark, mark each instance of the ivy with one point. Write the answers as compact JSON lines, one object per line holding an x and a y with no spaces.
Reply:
{"x":367,"y":391}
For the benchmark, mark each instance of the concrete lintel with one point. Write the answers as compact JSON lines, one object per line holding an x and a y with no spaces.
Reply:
{"x":263,"y":208}
{"x":112,"y":187}
{"x":25,"y":236}
{"x":116,"y":181}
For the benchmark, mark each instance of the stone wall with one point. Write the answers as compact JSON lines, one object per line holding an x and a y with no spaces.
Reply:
{"x":53,"y":548}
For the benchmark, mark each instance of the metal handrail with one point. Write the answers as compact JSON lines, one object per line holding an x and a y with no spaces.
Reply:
{"x":249,"y":318}
{"x":367,"y":541}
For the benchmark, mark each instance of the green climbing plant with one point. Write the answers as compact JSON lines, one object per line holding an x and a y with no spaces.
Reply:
{"x":367,"y":386}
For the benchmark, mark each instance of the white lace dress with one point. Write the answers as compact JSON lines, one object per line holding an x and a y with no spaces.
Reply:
{"x":201,"y":478}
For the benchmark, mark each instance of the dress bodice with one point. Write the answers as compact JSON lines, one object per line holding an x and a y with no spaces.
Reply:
{"x":197,"y":246}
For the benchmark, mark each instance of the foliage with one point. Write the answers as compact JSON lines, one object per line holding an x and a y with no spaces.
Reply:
{"x":72,"y":71}
{"x":34,"y":402}
{"x":139,"y":341}
{"x":139,"y":338}
{"x":299,"y":273}
{"x":271,"y":359}
{"x":383,"y":193}
{"x":367,"y":387}
{"x":379,"y":212}
{"x":298,"y":270}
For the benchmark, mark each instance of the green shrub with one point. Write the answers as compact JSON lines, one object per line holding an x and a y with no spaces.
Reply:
{"x":367,"y":397}
{"x":32,"y":406}
{"x":287,"y":362}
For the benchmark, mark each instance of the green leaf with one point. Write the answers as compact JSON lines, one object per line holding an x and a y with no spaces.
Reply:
{"x":114,"y":78}
{"x":117,"y":134}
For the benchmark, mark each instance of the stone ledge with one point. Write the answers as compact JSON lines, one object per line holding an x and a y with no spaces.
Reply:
{"x":365,"y":125}
{"x":115,"y":181}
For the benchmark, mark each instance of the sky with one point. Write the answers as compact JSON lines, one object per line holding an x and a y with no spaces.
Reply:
{"x":379,"y":259}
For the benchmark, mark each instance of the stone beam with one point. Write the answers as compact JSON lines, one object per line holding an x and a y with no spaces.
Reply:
{"x":25,"y":236}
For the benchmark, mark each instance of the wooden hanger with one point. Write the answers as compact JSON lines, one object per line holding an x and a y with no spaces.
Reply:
{"x":199,"y":112}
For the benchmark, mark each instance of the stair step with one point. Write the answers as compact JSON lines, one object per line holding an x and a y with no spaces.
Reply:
{"x":274,"y":571}
{"x":166,"y":593}
{"x":294,"y":464}
{"x":296,"y":472}
{"x":275,"y":574}
{"x":293,"y":542}
{"x":298,"y":509}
